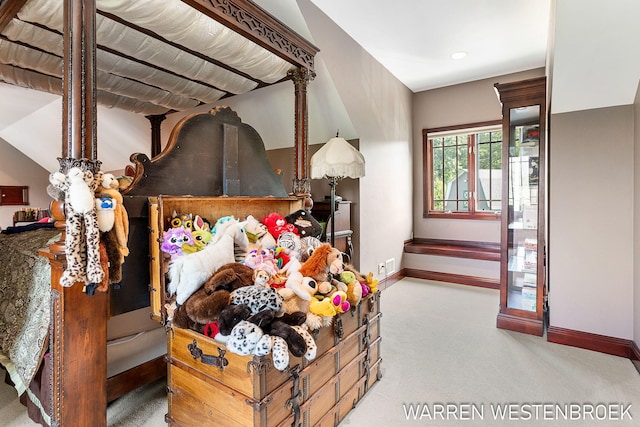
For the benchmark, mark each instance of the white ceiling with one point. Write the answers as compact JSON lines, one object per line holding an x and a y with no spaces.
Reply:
{"x":589,"y":46}
{"x":414,"y":39}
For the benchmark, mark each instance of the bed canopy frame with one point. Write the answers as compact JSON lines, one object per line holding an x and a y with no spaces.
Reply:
{"x":98,"y":69}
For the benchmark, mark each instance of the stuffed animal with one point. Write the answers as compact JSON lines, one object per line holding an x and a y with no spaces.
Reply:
{"x":289,"y":242}
{"x":367,"y":281}
{"x":322,"y":307}
{"x":354,"y":287}
{"x":181,"y":220}
{"x":262,"y":277}
{"x":307,"y":246}
{"x":205,"y":305}
{"x":241,"y":241}
{"x":117,"y":238}
{"x":229,"y":277}
{"x":324,"y":263}
{"x":258,"y":298}
{"x":189,"y":272}
{"x":263,"y":259}
{"x":262,"y":333}
{"x":105,"y":213}
{"x":298,"y":294}
{"x":277,"y":224}
{"x":258,"y":235}
{"x":82,"y":238}
{"x":201,"y":236}
{"x":230,"y":316}
{"x":174,"y":239}
{"x":306,"y":224}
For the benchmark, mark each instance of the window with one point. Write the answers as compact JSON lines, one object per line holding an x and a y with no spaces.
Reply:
{"x":452,"y":188}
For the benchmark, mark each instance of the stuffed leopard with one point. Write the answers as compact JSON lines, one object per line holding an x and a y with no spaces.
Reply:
{"x":82,"y":234}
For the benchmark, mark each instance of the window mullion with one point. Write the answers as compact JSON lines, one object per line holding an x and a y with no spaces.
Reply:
{"x":472,"y":173}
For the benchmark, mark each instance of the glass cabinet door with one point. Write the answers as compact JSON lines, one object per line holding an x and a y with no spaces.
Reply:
{"x":523,"y":299}
{"x":522,"y":213}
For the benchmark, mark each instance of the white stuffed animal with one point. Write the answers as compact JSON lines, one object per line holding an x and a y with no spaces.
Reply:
{"x":189,"y":272}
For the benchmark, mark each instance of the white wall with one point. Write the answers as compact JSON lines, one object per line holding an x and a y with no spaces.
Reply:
{"x":636,"y":223}
{"x":591,"y":220}
{"x":379,"y":107}
{"x":18,"y":169}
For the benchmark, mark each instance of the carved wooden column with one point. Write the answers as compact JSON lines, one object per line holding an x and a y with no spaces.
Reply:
{"x":301,"y":181}
{"x":79,"y":322}
{"x":156,"y":135}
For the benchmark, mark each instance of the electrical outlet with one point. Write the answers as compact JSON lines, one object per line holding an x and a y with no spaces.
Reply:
{"x":390,"y":265}
{"x":381,"y":268}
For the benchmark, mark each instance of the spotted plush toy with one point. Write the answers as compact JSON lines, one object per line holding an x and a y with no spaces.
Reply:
{"x":82,"y":240}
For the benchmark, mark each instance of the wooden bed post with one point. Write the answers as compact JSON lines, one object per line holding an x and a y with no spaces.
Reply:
{"x":156,"y":141}
{"x":301,"y":181}
{"x":79,"y":322}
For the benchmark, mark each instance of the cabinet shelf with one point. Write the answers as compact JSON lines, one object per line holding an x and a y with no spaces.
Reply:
{"x":522,"y":273}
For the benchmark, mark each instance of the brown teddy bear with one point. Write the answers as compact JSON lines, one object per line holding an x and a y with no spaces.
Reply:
{"x":206,"y":303}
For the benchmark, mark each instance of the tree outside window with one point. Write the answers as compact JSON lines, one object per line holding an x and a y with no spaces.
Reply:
{"x":452,"y":188}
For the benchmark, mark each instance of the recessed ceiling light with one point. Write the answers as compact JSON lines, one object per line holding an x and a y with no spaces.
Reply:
{"x":458,"y":55}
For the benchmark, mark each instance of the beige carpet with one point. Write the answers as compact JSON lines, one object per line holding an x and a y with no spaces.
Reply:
{"x":442,"y":354}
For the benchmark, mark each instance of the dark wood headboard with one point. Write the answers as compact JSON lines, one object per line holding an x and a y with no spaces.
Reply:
{"x":208,"y":154}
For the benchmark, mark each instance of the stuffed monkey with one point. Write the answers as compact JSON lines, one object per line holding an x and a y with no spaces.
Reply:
{"x":117,"y":237}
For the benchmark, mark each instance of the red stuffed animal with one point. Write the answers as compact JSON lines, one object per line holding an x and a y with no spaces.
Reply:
{"x":277,"y":224}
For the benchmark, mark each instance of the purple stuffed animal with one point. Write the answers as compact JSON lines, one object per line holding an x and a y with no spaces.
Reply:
{"x":173,"y":239}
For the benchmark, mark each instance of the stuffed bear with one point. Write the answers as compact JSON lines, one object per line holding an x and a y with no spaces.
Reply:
{"x":306,"y":224}
{"x":277,"y":224}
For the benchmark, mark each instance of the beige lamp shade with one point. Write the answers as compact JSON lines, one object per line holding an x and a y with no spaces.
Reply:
{"x":337,"y":158}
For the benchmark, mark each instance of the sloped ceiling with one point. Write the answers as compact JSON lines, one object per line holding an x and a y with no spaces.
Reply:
{"x":592,"y":64}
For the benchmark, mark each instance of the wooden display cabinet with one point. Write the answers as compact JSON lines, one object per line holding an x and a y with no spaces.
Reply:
{"x":522,"y":264}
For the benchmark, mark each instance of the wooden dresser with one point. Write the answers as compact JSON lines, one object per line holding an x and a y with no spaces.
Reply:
{"x":322,"y":212}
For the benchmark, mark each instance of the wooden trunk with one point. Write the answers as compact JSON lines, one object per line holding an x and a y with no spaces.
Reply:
{"x":208,"y":385}
{"x":248,"y":391}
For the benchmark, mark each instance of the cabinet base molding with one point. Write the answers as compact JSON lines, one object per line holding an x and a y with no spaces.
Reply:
{"x":595,"y":342}
{"x":481,"y":282}
{"x":635,"y":356}
{"x":520,"y":324}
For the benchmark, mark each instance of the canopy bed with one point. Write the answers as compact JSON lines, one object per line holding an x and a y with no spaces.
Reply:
{"x":152,"y":57}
